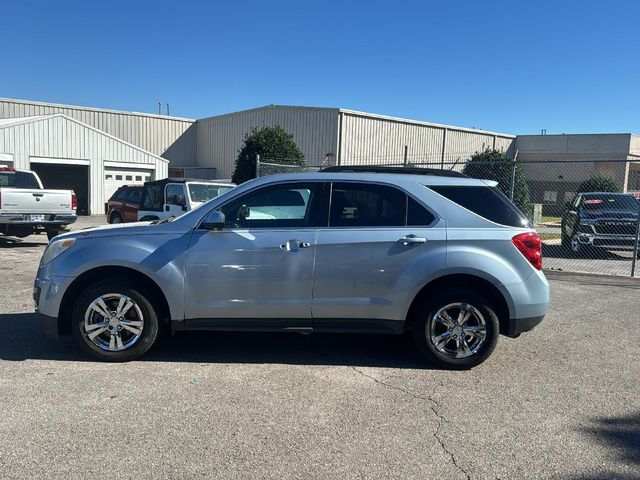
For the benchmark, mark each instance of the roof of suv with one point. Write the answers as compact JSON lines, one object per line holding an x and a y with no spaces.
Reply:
{"x":394,"y":178}
{"x":438,"y":172}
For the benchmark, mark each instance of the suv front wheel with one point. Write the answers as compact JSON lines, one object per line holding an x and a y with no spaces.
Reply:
{"x":456,"y":328}
{"x":115,"y":321}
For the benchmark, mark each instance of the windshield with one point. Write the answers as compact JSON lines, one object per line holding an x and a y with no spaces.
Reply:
{"x":18,"y":180}
{"x":609,"y":202}
{"x":202,"y":192}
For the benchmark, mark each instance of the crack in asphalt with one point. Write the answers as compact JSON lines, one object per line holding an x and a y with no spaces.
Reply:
{"x":432,"y":405}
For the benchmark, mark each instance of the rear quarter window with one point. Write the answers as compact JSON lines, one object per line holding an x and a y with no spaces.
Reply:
{"x":487,"y":202}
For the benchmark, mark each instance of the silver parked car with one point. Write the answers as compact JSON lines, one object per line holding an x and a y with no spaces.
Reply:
{"x":445,"y":257}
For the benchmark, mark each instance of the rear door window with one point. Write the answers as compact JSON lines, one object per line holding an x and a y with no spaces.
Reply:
{"x":121,"y":194}
{"x":134,"y":196}
{"x":366,"y":205}
{"x":488,"y":202}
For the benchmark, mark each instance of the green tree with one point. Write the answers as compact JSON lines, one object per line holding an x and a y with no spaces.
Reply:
{"x":271,"y":143}
{"x":496,"y":165}
{"x":599,"y":183}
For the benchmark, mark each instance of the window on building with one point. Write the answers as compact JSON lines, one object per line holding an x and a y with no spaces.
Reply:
{"x":108,"y":177}
{"x":138,"y":178}
{"x":129,"y":177}
{"x":550,"y":196}
{"x":118,"y":177}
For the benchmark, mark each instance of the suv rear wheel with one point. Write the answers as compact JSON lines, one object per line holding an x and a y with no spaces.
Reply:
{"x":456,"y":328}
{"x":116,"y":218}
{"x":115,"y":321}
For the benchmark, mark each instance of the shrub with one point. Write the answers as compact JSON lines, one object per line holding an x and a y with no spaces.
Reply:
{"x":599,"y":183}
{"x":273,"y":143}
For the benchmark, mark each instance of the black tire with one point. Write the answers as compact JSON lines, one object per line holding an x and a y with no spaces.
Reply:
{"x":142,"y":300}
{"x":51,"y":234}
{"x":424,"y":317}
{"x":580,"y":250}
{"x":115,"y":218}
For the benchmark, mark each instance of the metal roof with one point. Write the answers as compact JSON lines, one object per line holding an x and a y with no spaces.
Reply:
{"x":96,"y":109}
{"x":12,"y":122}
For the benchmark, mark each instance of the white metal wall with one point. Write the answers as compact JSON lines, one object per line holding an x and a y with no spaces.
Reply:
{"x":56,"y":136}
{"x":315,"y":130}
{"x":169,"y":137}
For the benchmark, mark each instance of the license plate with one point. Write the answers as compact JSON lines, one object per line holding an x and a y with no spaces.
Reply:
{"x":36,"y":218}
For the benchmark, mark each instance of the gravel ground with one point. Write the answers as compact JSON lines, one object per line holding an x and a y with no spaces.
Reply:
{"x":558,"y":402}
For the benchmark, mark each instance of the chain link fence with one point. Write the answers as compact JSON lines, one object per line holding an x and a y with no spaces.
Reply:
{"x":586,"y":211}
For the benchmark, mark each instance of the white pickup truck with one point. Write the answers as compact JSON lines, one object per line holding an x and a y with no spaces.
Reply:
{"x":26,"y":207}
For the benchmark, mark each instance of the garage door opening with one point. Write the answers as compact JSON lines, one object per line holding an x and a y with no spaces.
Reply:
{"x":66,"y":177}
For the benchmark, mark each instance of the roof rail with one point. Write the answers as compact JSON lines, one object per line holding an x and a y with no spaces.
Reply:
{"x":404,"y":170}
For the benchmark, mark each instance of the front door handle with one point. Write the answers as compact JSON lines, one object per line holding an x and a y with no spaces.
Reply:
{"x":294,"y":245}
{"x":409,"y":239}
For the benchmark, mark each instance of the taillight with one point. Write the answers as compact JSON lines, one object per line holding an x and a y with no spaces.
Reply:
{"x":74,"y":201}
{"x":530,"y":246}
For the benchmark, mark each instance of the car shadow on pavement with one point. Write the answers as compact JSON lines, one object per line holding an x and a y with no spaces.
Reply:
{"x":10,"y":242}
{"x":621,"y":436}
{"x":22,"y":339}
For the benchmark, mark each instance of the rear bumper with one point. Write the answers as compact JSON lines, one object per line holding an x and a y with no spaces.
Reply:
{"x":24,"y":220}
{"x":521,"y":325}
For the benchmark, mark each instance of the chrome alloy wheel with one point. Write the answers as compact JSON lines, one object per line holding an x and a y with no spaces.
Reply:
{"x":458,"y":330}
{"x":113,"y":322}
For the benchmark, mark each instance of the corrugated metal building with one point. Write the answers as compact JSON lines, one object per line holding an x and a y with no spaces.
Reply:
{"x":555,"y":165}
{"x":172,"y":138}
{"x":58,"y":145}
{"x":345,"y":137}
{"x":67,"y":153}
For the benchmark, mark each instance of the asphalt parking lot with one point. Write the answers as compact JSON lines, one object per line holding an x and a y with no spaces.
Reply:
{"x":561,"y":401}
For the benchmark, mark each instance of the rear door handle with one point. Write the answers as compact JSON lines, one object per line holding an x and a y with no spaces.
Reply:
{"x":409,"y":239}
{"x":294,"y":245}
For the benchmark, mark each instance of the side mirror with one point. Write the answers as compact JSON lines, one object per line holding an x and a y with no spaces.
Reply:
{"x":214,"y":221}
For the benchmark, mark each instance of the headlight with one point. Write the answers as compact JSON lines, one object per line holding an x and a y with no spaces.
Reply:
{"x":56,"y":248}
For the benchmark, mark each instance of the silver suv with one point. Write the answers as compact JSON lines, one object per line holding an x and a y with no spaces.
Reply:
{"x":444,"y":257}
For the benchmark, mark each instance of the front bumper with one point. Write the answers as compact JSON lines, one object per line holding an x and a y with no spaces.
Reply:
{"x":617,"y":242}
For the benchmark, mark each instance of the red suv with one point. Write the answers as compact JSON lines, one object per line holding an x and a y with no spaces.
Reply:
{"x":123,"y":204}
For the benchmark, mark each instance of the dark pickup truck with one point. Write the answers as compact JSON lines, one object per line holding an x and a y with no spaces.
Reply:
{"x":600,"y":220}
